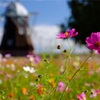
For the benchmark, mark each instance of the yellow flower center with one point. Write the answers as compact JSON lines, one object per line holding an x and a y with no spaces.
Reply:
{"x":97,"y":44}
{"x":66,"y":33}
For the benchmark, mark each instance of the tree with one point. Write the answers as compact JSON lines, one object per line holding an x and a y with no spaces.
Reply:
{"x":85,"y":17}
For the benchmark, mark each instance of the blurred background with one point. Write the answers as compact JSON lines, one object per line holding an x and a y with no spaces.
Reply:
{"x":49,"y":17}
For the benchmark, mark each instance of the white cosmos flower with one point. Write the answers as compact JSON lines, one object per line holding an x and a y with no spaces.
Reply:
{"x":32,"y":70}
{"x":29,"y":69}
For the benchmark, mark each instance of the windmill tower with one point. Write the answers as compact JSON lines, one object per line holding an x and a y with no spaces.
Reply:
{"x":16,"y":39}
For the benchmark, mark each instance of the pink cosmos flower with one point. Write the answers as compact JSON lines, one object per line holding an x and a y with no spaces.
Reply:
{"x":7,"y":55}
{"x":96,"y":52}
{"x":29,"y":56}
{"x":93,"y":42}
{"x":67,"y":34}
{"x":98,"y":91}
{"x":94,"y":93}
{"x":60,"y":87}
{"x":81,"y":96}
{"x":36,"y":59}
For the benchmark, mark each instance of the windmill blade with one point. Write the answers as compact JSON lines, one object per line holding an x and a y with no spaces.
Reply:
{"x":1,"y":18}
{"x":34,"y":17}
{"x":34,"y":13}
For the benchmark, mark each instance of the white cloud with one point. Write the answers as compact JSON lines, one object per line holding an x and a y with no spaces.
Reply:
{"x":44,"y":40}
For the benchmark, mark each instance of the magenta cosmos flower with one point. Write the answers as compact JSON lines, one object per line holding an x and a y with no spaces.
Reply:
{"x":61,"y":86}
{"x":81,"y":96}
{"x":67,"y":34}
{"x":93,"y":42}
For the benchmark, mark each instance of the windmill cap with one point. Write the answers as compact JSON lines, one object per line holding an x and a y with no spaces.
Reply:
{"x":16,"y":9}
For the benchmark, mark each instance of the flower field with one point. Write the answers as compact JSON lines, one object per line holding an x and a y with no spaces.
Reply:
{"x":65,"y":76}
{"x":50,"y":78}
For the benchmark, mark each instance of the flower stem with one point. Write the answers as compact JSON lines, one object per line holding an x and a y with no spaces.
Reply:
{"x":75,"y":75}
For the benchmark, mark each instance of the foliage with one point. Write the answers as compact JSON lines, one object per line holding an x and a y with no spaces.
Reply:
{"x":51,"y":78}
{"x":85,"y":17}
{"x":60,"y":77}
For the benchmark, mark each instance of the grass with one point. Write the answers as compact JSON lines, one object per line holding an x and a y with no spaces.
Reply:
{"x":41,"y":82}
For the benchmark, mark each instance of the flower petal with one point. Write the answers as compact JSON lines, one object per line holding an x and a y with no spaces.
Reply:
{"x":89,"y":40}
{"x":99,"y":51}
{"x":91,"y":46}
{"x":94,"y":37}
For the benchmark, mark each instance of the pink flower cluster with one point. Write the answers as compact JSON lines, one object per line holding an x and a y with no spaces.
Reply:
{"x":67,"y":34}
{"x":94,"y":93}
{"x":93,"y":42}
{"x":61,"y":86}
{"x":81,"y":96}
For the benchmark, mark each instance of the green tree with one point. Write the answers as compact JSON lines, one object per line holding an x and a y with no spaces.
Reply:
{"x":85,"y":17}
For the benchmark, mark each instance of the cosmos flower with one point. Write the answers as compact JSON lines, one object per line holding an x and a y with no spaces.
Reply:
{"x":40,"y":89}
{"x":97,"y":91}
{"x":32,"y":97}
{"x":61,"y":86}
{"x":93,"y":42}
{"x":67,"y":34}
{"x":7,"y":55}
{"x":36,"y":59}
{"x":94,"y":93}
{"x":52,"y":82}
{"x":81,"y":96}
{"x":29,"y":69}
{"x":11,"y":95}
{"x":24,"y":91}
{"x":33,"y":59}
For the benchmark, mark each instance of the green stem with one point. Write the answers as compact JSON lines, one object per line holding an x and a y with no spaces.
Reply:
{"x":70,"y":46}
{"x":61,"y":75}
{"x":75,"y":75}
{"x":79,"y":68}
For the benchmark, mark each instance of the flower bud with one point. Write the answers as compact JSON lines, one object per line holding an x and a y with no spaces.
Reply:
{"x":58,"y":46}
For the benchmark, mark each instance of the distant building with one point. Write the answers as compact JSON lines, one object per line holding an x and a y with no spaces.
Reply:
{"x":16,"y":39}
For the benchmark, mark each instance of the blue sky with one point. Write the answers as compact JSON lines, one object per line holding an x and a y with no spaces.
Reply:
{"x":51,"y":12}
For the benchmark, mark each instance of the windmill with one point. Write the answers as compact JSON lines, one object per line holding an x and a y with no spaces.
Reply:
{"x":16,"y":39}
